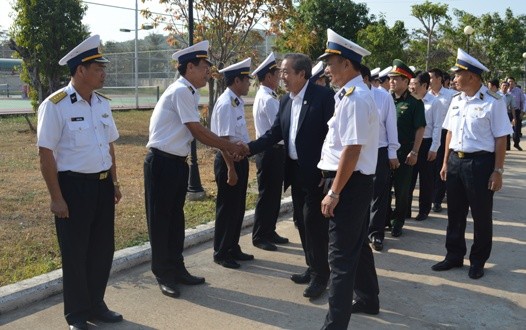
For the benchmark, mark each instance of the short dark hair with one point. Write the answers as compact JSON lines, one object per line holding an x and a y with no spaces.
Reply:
{"x":511,"y":78}
{"x":182,"y":68}
{"x":365,"y":71}
{"x":494,"y":82}
{"x":446,"y":77}
{"x":300,"y":62}
{"x":229,"y":81}
{"x":423,"y":78}
{"x":437,"y":73}
{"x":72,"y":71}
{"x":271,"y":71}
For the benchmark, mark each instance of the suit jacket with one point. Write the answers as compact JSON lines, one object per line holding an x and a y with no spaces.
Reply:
{"x":317,"y":109}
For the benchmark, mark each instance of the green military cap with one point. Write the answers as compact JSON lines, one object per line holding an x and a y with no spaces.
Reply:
{"x":401,"y":69}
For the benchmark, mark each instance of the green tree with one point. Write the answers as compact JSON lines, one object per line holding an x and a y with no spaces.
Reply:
{"x":429,"y":14}
{"x":306,"y":30}
{"x":498,"y":42}
{"x":42,"y":33}
{"x":229,"y":25}
{"x":384,"y":43}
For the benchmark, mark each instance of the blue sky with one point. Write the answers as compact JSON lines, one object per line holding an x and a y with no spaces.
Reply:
{"x":107,"y":21}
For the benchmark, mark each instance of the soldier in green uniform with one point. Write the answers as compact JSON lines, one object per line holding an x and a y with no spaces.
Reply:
{"x":411,"y":122}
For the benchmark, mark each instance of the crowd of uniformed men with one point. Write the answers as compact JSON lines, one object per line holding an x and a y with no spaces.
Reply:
{"x":342,"y":137}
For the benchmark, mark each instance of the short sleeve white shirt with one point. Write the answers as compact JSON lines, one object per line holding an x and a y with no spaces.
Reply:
{"x":266,"y":107}
{"x":177,"y":106}
{"x":78,"y":133}
{"x":476,"y":121}
{"x":355,"y":122}
{"x":228,"y":118}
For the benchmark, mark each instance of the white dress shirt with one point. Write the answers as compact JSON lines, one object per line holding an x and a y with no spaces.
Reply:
{"x":228,"y":118}
{"x":265,"y":109}
{"x":444,"y":96}
{"x":355,"y":122}
{"x":177,"y":106}
{"x":388,"y":131}
{"x":78,"y":133}
{"x":433,"y":113}
{"x":475,"y":121}
{"x":297,"y":103}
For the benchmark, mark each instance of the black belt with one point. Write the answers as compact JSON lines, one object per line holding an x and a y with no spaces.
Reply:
{"x":158,"y":152}
{"x":278,"y":146}
{"x":88,"y":176}
{"x":461,"y":154}
{"x":328,"y":174}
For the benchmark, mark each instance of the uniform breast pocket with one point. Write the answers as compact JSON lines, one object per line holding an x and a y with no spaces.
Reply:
{"x":106,"y":124}
{"x":80,"y":133}
{"x":478,"y":113}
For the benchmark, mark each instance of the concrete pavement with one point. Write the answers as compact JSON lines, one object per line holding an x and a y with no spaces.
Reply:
{"x":261,"y":295}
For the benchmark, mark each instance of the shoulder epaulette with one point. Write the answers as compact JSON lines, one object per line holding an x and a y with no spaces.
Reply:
{"x":102,"y":95}
{"x":191,"y":89}
{"x":58,"y":96}
{"x":457,"y":94}
{"x":234,"y":101}
{"x":349,"y":92}
{"x":495,"y":95}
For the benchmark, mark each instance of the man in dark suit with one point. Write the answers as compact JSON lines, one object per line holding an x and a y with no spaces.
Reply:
{"x":302,"y":124}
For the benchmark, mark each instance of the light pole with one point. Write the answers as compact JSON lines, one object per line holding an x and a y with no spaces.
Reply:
{"x":524,"y":57}
{"x":468,"y":31}
{"x":195,"y":189}
{"x":136,"y":52}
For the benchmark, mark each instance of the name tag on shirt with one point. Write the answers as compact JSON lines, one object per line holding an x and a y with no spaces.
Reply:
{"x":77,"y":119}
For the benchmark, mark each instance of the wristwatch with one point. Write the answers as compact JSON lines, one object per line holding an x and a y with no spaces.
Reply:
{"x":332,"y":194}
{"x":499,"y":170}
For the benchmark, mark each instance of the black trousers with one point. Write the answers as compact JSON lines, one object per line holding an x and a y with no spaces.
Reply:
{"x":230,"y":206}
{"x":86,"y":241}
{"x":165,"y":183}
{"x":402,"y":184}
{"x":350,"y":257}
{"x":517,"y":127}
{"x":424,"y":171}
{"x":312,"y":226}
{"x":269,"y":165}
{"x":439,"y":190}
{"x":380,"y":202}
{"x":467,"y":188}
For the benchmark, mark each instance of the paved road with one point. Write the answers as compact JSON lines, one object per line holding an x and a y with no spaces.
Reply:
{"x":260,"y":294}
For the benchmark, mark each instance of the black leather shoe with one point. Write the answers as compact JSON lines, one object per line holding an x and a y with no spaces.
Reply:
{"x":108,"y":317}
{"x":447,"y":265}
{"x":227,"y":262}
{"x":476,"y":272}
{"x":78,"y":326}
{"x":518,"y":147}
{"x":359,"y":306}
{"x":184,"y":277}
{"x":315,"y":289}
{"x":377,"y":244}
{"x":437,"y":208}
{"x":170,"y":290}
{"x":276,"y":239}
{"x":241,"y":256}
{"x":264,"y":245}
{"x":396,"y":231}
{"x":420,"y":217}
{"x":302,"y":278}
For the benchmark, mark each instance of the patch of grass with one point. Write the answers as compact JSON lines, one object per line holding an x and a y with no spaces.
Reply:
{"x":27,"y":231}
